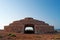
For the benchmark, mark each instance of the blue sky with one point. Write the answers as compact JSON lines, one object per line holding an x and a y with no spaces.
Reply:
{"x":45,"y":10}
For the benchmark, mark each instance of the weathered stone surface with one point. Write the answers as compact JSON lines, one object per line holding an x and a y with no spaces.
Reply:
{"x":19,"y":26}
{"x":41,"y":31}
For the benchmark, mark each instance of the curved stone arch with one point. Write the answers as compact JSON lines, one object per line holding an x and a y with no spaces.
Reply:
{"x":30,"y":31}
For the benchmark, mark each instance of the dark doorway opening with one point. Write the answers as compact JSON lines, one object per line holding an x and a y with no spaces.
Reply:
{"x":29,"y":29}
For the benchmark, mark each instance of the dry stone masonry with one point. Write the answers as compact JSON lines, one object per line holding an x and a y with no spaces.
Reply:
{"x":39,"y":27}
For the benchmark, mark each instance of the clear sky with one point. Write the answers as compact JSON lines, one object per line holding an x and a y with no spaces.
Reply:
{"x":45,"y":10}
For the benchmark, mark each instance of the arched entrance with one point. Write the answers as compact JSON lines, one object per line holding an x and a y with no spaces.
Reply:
{"x":29,"y":29}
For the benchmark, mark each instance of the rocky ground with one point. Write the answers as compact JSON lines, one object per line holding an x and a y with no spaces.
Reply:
{"x":18,"y":36}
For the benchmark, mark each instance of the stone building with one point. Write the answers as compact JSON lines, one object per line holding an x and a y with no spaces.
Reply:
{"x":21,"y":26}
